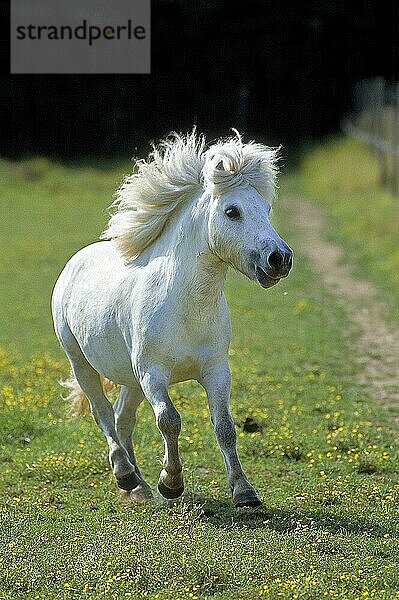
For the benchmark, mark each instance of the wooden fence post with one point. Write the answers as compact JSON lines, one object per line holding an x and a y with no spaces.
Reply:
{"x":377,"y":124}
{"x":378,"y":93}
{"x":395,"y":139}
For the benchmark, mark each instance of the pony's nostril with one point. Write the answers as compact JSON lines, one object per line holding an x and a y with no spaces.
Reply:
{"x":275,"y":260}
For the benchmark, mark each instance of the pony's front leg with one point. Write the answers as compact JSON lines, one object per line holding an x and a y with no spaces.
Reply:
{"x":216,"y":382}
{"x":168,"y":421}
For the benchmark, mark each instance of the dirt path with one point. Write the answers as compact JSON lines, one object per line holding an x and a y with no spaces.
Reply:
{"x":376,"y":350}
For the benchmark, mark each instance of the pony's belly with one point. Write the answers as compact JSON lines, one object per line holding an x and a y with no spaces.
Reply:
{"x":111,"y":360}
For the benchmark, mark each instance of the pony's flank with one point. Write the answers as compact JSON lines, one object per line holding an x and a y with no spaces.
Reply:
{"x":179,"y":167}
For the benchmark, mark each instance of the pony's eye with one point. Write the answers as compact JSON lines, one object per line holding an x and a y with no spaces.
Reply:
{"x":232,"y":212}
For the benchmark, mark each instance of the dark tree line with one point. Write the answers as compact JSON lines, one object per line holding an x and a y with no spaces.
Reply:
{"x":282,"y":71}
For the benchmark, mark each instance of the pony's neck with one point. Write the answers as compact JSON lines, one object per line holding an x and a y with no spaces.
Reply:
{"x":202,"y":283}
{"x":200,"y":274}
{"x":196,"y":274}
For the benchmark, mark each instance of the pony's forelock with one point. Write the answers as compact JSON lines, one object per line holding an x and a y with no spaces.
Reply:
{"x":176,"y":169}
{"x":230,"y":164}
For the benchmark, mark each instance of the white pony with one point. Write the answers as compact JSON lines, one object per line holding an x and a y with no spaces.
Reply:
{"x":147,"y":309}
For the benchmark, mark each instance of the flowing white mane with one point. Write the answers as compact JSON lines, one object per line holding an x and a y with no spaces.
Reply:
{"x":177,"y":168}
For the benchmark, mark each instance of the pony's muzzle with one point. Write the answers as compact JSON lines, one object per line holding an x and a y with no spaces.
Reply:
{"x":273,"y":264}
{"x":280,"y":263}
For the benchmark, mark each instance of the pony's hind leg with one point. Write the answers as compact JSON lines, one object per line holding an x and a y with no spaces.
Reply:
{"x":103,"y":413}
{"x":125,"y":409}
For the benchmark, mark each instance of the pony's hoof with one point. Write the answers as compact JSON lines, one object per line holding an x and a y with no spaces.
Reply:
{"x":246,"y":498}
{"x":141,"y":493}
{"x":170,"y":493}
{"x":129,"y":482}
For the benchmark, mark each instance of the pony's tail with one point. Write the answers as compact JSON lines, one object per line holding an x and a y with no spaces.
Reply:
{"x":77,"y":399}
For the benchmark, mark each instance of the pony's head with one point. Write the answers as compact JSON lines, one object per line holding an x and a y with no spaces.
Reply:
{"x":240,"y":179}
{"x":235,"y":183}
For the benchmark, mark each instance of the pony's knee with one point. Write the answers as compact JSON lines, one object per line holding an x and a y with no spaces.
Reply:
{"x":169,"y":421}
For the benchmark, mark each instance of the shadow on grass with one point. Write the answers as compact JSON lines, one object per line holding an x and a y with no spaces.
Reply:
{"x":222,"y":514}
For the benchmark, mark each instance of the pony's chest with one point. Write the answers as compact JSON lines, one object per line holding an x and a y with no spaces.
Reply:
{"x":183,"y":355}
{"x":191,"y":354}
{"x":183,"y":342}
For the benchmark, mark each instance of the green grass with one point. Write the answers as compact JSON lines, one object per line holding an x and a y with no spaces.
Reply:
{"x":324,"y":460}
{"x":343,"y":176}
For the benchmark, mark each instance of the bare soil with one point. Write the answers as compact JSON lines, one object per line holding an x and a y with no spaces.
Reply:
{"x":376,"y":345}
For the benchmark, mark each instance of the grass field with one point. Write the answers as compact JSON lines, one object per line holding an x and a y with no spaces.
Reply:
{"x":324,"y":460}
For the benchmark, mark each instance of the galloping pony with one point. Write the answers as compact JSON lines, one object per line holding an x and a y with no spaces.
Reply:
{"x":146,"y":309}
